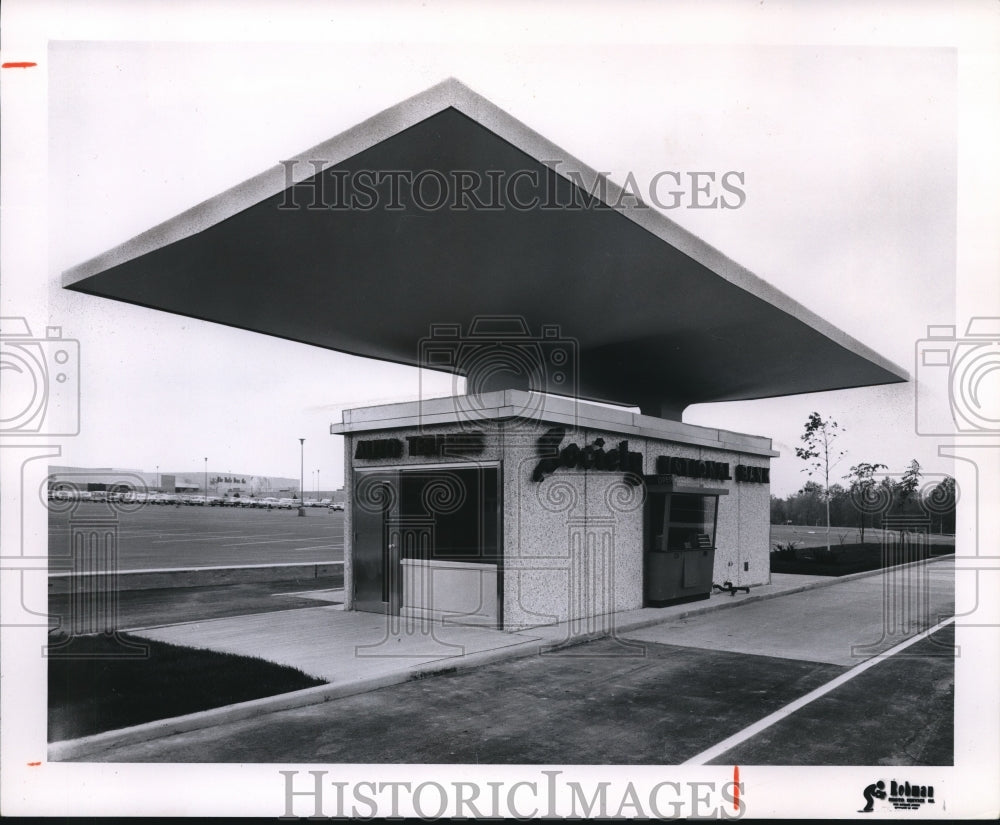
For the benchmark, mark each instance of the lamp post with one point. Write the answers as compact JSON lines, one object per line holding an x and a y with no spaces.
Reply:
{"x":302,"y":475}
{"x":317,"y":484}
{"x":206,"y":480}
{"x":157,"y":477}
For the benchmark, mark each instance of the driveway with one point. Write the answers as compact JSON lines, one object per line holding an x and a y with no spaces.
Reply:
{"x":661,"y":695}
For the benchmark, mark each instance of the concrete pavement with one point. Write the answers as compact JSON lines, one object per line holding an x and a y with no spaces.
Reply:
{"x":822,"y":621}
{"x":840,"y":625}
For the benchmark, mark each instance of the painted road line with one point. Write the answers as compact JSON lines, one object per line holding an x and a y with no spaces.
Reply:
{"x":318,"y":547}
{"x":305,"y":592}
{"x":718,"y":750}
{"x":201,"y":569}
{"x":202,"y":538}
{"x":274,"y":541}
{"x":196,"y":537}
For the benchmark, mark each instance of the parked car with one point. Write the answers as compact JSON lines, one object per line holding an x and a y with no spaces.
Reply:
{"x":337,"y":505}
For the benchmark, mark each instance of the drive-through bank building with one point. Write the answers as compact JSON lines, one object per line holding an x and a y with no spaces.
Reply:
{"x":445,"y":234}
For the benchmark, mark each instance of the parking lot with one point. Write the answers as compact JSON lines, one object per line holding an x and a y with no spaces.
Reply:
{"x":156,"y":537}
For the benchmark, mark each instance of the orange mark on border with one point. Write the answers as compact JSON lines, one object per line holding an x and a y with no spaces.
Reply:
{"x":736,"y":787}
{"x":21,"y":65}
{"x":34,"y":764}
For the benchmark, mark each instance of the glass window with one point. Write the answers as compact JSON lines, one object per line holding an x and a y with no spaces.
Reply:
{"x":689,"y":521}
{"x":459,"y":509}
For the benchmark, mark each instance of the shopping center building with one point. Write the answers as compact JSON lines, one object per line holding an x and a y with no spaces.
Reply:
{"x":561,"y":484}
{"x":204,"y":482}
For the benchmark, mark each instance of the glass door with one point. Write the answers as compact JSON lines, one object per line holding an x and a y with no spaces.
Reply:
{"x":376,"y":568}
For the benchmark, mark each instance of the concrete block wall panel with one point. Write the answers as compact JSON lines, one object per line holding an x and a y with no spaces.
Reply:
{"x":731,"y":513}
{"x":755,"y":525}
{"x":538,"y":516}
{"x":615,"y":514}
{"x":574,"y":539}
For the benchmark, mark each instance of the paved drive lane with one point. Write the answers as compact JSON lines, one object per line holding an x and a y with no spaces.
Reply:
{"x":661,"y":696}
{"x":841,"y":625}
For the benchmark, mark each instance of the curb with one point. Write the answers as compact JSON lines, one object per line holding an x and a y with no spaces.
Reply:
{"x":63,"y":582}
{"x":89,"y":746}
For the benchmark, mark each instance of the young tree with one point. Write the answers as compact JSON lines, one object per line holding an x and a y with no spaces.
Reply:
{"x":862,"y":488}
{"x":909,"y":484}
{"x":819,"y":437}
{"x":941,"y":500}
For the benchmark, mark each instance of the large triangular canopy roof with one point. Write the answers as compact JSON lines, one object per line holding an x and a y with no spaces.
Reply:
{"x":650,"y":315}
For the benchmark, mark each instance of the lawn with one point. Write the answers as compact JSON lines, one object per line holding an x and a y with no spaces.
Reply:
{"x":806,"y":536}
{"x":93,"y":688}
{"x":851,"y":558}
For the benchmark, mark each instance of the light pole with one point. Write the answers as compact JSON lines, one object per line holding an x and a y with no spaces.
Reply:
{"x":317,"y":484}
{"x":302,"y":475}
{"x":157,"y":477}
{"x":206,"y":480}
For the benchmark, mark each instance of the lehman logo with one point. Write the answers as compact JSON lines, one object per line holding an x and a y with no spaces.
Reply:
{"x":901,"y":795}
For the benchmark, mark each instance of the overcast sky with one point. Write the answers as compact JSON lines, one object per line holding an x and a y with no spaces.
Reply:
{"x":848,"y":156}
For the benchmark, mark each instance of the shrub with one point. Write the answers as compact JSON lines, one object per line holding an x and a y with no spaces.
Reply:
{"x":786,"y":550}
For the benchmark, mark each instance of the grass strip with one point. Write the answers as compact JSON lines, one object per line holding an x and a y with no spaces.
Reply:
{"x":98,"y":684}
{"x":849,"y":558}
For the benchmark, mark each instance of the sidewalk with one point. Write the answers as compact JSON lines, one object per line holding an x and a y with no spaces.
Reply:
{"x":360,"y":652}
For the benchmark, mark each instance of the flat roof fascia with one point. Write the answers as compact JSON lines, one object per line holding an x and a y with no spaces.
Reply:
{"x":452,"y":93}
{"x":506,"y":404}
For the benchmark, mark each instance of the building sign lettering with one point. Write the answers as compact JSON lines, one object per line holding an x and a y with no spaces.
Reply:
{"x":422,"y":446}
{"x":692,"y":468}
{"x":432,"y":446}
{"x":589,"y":457}
{"x":696,"y":468}
{"x":758,"y":475}
{"x":379,"y":448}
